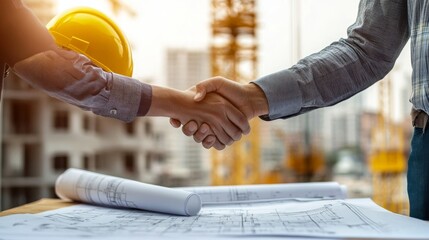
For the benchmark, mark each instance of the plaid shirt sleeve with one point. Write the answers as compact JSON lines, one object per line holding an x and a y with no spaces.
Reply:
{"x":344,"y":68}
{"x":72,"y":78}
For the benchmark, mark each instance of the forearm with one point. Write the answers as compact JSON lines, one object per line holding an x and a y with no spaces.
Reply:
{"x":22,"y":33}
{"x":343,"y":68}
{"x":72,"y":78}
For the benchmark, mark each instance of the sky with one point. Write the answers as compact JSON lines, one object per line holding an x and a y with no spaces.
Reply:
{"x":163,"y":24}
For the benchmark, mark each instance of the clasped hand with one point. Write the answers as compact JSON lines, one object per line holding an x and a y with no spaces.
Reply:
{"x":246,"y":99}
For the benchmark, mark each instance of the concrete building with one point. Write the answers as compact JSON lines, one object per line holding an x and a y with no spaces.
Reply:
{"x":42,"y":137}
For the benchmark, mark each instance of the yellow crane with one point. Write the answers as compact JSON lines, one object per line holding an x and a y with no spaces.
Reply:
{"x":387,"y":160}
{"x":302,"y":162}
{"x":233,"y":55}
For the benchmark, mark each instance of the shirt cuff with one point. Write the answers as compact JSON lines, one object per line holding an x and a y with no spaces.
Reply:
{"x":145,"y":99}
{"x":124,"y":94}
{"x":282,"y":92}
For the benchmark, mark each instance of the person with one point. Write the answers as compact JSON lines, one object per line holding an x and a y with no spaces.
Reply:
{"x":31,"y":53}
{"x":339,"y":71}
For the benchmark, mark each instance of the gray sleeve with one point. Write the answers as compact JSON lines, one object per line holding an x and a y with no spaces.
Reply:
{"x":72,"y":78}
{"x":344,"y":68}
{"x":121,"y":98}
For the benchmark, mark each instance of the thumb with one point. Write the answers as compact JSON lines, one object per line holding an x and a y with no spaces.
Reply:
{"x":206,"y":86}
{"x":201,"y":92}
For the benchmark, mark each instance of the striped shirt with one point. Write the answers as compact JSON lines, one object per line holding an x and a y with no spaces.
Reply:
{"x":350,"y":65}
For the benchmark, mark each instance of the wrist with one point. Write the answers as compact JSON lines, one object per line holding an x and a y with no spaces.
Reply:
{"x":169,"y":102}
{"x":145,"y":99}
{"x":258,"y":100}
{"x":161,"y":104}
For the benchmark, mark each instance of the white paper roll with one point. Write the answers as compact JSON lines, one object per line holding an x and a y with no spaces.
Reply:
{"x":89,"y":187}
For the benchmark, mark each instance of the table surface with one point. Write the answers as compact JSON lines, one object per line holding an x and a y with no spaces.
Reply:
{"x":41,"y":205}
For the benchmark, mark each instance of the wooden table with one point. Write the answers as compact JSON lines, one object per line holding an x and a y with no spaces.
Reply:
{"x":41,"y":205}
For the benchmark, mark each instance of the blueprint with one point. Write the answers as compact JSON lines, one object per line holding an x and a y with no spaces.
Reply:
{"x":89,"y":187}
{"x":267,"y":192}
{"x":350,"y":218}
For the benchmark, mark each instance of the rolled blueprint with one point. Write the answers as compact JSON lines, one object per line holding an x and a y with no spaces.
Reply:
{"x":88,"y":187}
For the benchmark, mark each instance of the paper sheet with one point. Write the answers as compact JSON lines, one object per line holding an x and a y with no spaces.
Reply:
{"x":269,"y":192}
{"x":352,"y":218}
{"x":89,"y":187}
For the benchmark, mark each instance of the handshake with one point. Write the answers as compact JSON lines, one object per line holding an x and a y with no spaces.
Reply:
{"x":216,"y":111}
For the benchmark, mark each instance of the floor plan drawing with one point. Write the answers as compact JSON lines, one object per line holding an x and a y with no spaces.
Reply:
{"x":354,"y":218}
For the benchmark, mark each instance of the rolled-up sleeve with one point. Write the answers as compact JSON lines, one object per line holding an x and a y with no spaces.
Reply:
{"x":72,"y":78}
{"x":123,"y":98}
{"x":344,"y":68}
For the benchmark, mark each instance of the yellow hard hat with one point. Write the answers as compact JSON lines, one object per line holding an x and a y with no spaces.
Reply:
{"x":90,"y":32}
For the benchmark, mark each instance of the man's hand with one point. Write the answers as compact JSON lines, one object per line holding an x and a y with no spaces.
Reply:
{"x":226,"y":122}
{"x":248,"y":98}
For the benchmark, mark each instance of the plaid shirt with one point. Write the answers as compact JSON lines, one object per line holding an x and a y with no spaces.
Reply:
{"x":350,"y":65}
{"x":418,"y":17}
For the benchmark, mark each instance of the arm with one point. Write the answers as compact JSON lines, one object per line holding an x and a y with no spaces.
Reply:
{"x":339,"y":71}
{"x":344,"y":68}
{"x":22,"y":33}
{"x":72,"y":78}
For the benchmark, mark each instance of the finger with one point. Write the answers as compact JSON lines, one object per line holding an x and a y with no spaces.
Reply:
{"x":175,"y":123}
{"x":229,"y":127}
{"x":239,"y":119}
{"x":225,"y":130}
{"x":206,"y":86}
{"x":211,"y":141}
{"x":218,"y":145}
{"x":202,"y":133}
{"x":222,"y":132}
{"x":201,"y":93}
{"x":190,"y":128}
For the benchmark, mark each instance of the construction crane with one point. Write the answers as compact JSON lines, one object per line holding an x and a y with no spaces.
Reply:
{"x":301,"y":163}
{"x":387,"y":160}
{"x":233,"y":55}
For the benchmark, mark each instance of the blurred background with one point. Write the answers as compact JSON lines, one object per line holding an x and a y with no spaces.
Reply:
{"x":362,"y":142}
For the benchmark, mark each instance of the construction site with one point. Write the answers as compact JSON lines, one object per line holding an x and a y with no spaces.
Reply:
{"x":364,"y":148}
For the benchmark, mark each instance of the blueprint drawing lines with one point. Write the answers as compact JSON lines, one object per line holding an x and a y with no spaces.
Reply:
{"x":327,"y":220}
{"x":354,"y":218}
